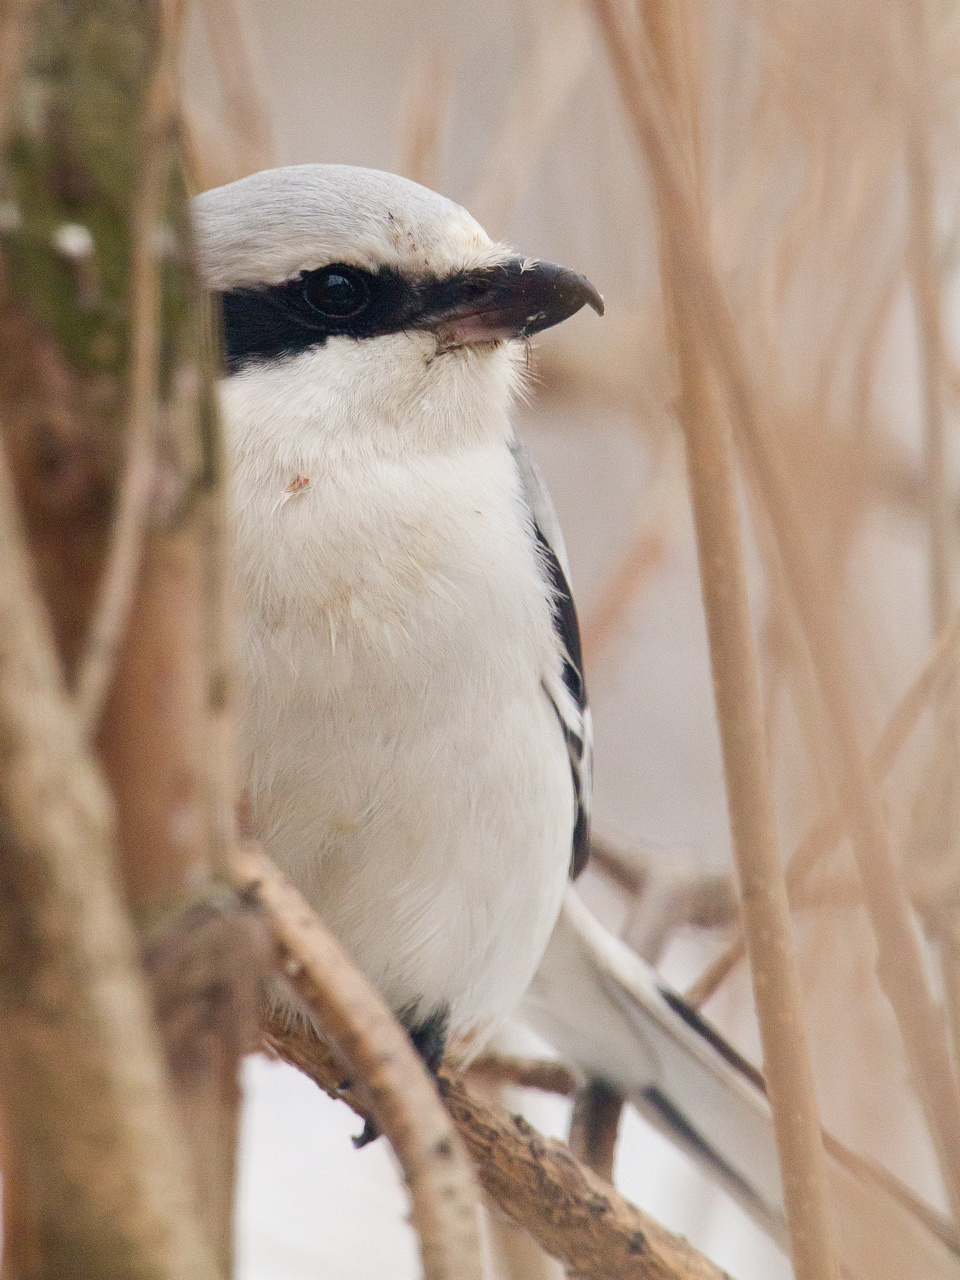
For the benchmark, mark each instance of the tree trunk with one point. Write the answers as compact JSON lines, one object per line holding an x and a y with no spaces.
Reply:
{"x":108,"y":423}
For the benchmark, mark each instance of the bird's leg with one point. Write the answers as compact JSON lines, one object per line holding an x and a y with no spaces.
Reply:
{"x":429,"y":1037}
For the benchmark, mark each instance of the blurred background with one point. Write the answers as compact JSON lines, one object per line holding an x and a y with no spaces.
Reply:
{"x":822,"y":141}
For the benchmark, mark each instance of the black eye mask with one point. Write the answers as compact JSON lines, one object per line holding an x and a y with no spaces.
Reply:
{"x":512,"y":299}
{"x":267,"y":322}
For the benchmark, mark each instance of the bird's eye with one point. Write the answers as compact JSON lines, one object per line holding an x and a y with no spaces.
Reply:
{"x":338,"y":292}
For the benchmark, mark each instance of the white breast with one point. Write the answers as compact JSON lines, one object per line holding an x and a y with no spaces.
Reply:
{"x":404,"y":765}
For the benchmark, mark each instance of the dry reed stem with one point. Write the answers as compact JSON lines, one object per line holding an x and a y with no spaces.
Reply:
{"x":924,"y":271}
{"x":246,"y":102}
{"x":123,"y":556}
{"x":827,"y":833}
{"x":900,"y":964}
{"x":944,"y":784}
{"x":658,"y":511}
{"x":557,"y":62}
{"x":377,"y":1051}
{"x":574,"y":1215}
{"x":641,"y":562}
{"x":425,"y":118}
{"x":776,"y":982}
{"x":104,"y":1190}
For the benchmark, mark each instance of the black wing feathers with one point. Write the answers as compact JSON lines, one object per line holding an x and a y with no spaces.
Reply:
{"x":568,"y":629}
{"x":574,"y":715}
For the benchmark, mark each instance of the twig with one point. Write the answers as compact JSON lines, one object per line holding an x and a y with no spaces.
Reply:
{"x":704,"y":900}
{"x":642,"y":560}
{"x":628,"y":868}
{"x":900,"y":964}
{"x":104,"y":1181}
{"x":595,"y":1126}
{"x":118,"y":580}
{"x":776,"y":982}
{"x":826,"y":834}
{"x":375,"y":1049}
{"x":523,"y":1073}
{"x":572,"y":1213}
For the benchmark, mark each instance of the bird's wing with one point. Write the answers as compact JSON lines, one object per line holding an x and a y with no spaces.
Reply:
{"x":609,"y":1013}
{"x":569,"y":699}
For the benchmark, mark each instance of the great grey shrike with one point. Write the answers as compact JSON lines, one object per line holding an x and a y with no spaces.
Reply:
{"x":415,"y":731}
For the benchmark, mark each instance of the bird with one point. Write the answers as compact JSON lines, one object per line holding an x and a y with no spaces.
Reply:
{"x":415,"y":733}
{"x":415,"y":737}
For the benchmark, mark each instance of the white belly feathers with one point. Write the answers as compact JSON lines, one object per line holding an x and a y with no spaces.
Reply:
{"x":404,"y":765}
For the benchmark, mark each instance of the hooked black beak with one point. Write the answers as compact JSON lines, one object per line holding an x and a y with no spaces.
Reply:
{"x":514,"y":299}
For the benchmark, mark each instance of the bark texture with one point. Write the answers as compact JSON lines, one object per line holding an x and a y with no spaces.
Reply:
{"x":571,"y":1212}
{"x":99,"y":1169}
{"x":108,"y":423}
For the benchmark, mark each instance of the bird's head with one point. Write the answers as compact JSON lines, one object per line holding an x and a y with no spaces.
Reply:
{"x":369,"y":309}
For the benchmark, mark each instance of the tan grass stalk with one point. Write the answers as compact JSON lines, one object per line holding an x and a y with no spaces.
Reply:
{"x":105,"y":1192}
{"x":571,"y":1212}
{"x":824,"y":837}
{"x":641,"y":562}
{"x":556,"y":64}
{"x":900,"y":963}
{"x":924,"y":272}
{"x":424,"y":118}
{"x":246,"y":103}
{"x":776,"y":982}
{"x":942,"y":785}
{"x":382,"y":1061}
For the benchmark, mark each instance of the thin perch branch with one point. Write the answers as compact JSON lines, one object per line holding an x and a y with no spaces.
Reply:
{"x":376,"y":1050}
{"x":573,"y":1214}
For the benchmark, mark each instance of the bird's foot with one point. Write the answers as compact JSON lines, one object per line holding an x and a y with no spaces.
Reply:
{"x":429,"y":1038}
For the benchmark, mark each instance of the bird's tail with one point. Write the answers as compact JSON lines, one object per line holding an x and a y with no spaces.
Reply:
{"x":609,"y":1013}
